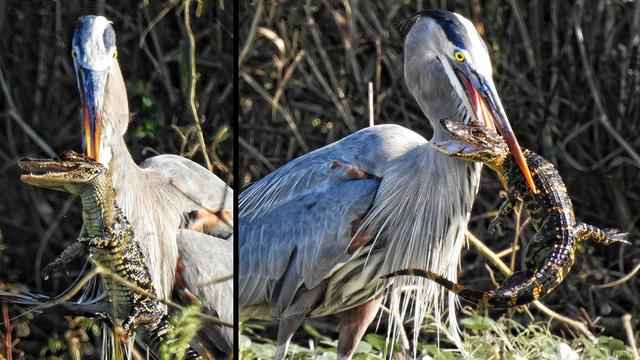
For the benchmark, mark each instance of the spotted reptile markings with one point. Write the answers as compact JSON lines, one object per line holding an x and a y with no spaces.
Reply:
{"x":551,"y":253}
{"x":109,"y":237}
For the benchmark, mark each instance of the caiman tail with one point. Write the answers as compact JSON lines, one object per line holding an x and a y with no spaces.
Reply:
{"x":514,"y":292}
{"x":459,"y":289}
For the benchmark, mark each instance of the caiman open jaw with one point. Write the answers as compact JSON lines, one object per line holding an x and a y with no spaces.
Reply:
{"x":69,"y":173}
{"x":472,"y":142}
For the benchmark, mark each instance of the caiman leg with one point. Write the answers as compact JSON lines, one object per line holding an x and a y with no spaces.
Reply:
{"x":69,"y":254}
{"x":98,"y":310}
{"x":538,"y":247}
{"x":293,"y":316}
{"x":353,"y":324}
{"x":140,"y":315}
{"x":607,"y":236}
{"x":505,"y":208}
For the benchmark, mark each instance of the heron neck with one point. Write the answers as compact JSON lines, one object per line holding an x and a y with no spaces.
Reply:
{"x":121,"y":162}
{"x":436,"y":102}
{"x":426,"y":225}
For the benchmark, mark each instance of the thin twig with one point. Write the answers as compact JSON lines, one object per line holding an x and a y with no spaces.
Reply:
{"x":165,"y":10}
{"x":507,"y":251}
{"x":215,"y":281}
{"x":626,"y":321}
{"x":250,"y":37}
{"x":370,"y":103}
{"x":399,"y":325}
{"x":8,"y":330}
{"x":192,"y":85}
{"x":622,"y":280}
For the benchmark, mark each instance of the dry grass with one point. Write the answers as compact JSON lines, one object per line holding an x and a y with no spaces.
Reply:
{"x":569,"y":77}
{"x":40,"y":113}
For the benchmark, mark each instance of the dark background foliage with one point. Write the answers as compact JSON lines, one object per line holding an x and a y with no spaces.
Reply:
{"x":39,"y":91}
{"x":568,"y":74}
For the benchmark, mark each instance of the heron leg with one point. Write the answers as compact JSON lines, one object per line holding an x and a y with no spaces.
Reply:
{"x":353,"y":324}
{"x":293,"y":316}
{"x":180,"y":286}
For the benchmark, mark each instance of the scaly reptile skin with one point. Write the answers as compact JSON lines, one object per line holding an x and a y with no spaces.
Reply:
{"x":109,"y":237}
{"x":551,"y":253}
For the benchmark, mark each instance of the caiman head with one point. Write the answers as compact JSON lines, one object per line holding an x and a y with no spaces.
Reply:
{"x":473,"y":143}
{"x":70,"y":172}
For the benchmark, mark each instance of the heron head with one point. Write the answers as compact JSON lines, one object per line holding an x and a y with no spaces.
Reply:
{"x":99,"y":80}
{"x":448,"y":70}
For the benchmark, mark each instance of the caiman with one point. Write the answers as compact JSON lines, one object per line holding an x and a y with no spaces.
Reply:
{"x":109,"y":237}
{"x":551,"y":252}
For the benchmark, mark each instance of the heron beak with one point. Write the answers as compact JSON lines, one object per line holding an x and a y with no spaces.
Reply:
{"x":92,"y":85}
{"x":488,"y":110}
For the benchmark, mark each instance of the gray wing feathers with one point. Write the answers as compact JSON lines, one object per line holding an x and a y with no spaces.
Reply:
{"x":370,"y":149}
{"x":193,"y":180}
{"x":299,"y":242}
{"x":209,"y":258}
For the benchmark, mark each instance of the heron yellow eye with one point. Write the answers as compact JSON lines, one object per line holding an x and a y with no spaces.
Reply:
{"x":458,"y":55}
{"x":115,"y":54}
{"x":74,"y":53}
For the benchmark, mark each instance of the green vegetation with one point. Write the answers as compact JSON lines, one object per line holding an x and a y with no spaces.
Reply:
{"x":184,"y":326}
{"x":483,"y":338}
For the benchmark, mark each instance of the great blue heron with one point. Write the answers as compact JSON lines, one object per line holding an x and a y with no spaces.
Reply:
{"x":157,"y":194}
{"x":317,"y":233}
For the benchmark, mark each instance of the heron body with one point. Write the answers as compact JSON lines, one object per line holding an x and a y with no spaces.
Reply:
{"x":156,"y":195}
{"x":300,"y":257}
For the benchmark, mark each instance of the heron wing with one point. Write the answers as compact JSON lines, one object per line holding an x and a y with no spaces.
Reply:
{"x":197,"y":184}
{"x":300,"y":242}
{"x":370,"y":149}
{"x":206,"y":259}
